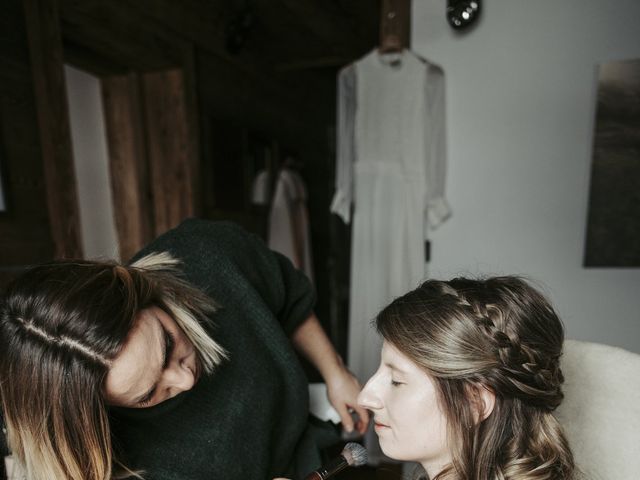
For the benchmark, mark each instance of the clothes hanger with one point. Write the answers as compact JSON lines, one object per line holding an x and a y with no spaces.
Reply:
{"x":292,"y":162}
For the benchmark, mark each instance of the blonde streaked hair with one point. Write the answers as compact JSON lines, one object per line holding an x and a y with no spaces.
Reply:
{"x":61,"y":326}
{"x":498,"y":334}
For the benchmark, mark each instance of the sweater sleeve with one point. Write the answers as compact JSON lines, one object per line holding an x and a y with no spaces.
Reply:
{"x":229,"y":262}
{"x":297,"y":299}
{"x":285,"y":289}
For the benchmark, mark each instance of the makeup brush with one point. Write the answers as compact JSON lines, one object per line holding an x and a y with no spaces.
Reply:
{"x":352,"y":455}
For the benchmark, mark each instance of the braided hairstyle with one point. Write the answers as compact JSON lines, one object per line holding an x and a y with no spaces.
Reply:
{"x":500,"y":334}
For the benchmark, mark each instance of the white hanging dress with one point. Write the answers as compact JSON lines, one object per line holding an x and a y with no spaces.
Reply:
{"x":391,"y":167}
{"x":289,"y":228}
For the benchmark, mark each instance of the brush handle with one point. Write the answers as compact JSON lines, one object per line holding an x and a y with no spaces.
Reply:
{"x":313,"y":476}
{"x":329,"y":470}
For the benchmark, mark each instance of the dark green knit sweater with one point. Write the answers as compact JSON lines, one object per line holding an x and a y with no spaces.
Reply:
{"x":249,"y":420}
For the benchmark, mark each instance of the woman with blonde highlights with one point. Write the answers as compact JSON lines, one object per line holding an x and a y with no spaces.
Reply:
{"x":468,"y":381}
{"x":175,"y":366}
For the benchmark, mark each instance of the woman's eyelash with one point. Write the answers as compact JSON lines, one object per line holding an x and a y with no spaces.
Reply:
{"x":395,"y":384}
{"x":169,"y":342}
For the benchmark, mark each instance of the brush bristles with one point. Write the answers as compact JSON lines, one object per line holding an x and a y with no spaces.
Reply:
{"x":355,"y":454}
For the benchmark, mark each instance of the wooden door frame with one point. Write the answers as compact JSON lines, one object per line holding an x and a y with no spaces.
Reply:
{"x":46,"y":55}
{"x":141,"y":152}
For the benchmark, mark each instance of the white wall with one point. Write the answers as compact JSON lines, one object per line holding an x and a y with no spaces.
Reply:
{"x":88,"y":135}
{"x":521,"y":93}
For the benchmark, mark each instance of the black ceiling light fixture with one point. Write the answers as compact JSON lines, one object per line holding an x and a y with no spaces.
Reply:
{"x":239,"y":28}
{"x":462,"y":13}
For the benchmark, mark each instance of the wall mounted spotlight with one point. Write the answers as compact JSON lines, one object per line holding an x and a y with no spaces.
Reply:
{"x":462,"y":13}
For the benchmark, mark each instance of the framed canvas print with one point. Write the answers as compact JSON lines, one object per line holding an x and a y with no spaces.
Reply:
{"x":613,"y":221}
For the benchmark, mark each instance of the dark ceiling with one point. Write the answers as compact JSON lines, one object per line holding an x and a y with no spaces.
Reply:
{"x":298,"y":34}
{"x":283,"y":36}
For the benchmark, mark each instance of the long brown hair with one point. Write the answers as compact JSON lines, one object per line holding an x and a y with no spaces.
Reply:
{"x":61,"y":325}
{"x":500,"y":334}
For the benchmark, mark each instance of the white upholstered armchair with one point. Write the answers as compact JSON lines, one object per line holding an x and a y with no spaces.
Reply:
{"x":601,"y":409}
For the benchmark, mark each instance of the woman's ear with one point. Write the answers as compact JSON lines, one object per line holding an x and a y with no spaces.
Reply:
{"x":487,"y":400}
{"x":483,"y":400}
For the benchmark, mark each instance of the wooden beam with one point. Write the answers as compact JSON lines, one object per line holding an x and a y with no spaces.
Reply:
{"x":45,"y":49}
{"x":84,"y":58}
{"x":25,"y":235}
{"x":128,"y":163}
{"x":171,"y":155}
{"x":395,"y":25}
{"x":194,"y":133}
{"x":116,"y":33}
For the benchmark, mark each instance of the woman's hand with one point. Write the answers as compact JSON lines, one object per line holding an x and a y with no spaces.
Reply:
{"x":342,"y":390}
{"x":342,"y":386}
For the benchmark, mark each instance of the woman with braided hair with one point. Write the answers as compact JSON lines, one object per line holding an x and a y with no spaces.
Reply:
{"x":468,"y":381}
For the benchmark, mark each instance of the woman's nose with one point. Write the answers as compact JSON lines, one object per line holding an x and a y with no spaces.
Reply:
{"x":368,"y":397}
{"x":179,"y":378}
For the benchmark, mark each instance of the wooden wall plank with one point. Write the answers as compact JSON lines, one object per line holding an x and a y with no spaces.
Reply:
{"x":194,"y":134}
{"x":128,"y":163}
{"x":45,"y":47}
{"x":25,"y":236}
{"x":171,"y":155}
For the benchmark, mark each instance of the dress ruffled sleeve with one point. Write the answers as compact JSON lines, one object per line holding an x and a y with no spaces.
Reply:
{"x":345,"y":143}
{"x":437,"y":207}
